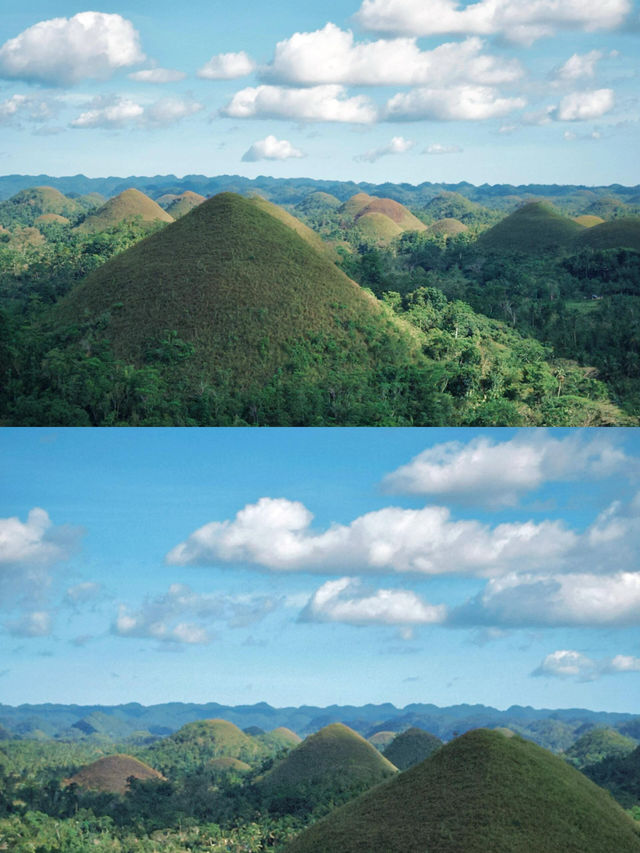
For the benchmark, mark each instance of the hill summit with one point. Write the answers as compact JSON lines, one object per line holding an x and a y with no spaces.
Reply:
{"x":482,"y":792}
{"x":111,"y":774}
{"x":534,"y":227}
{"x":129,"y":204}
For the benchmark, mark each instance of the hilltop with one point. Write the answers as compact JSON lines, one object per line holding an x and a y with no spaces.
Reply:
{"x":623,"y":233}
{"x":129,"y":204}
{"x":535,"y":227}
{"x":411,"y":747}
{"x":598,"y":744}
{"x":182,"y":204}
{"x":111,"y":774}
{"x":482,"y":792}
{"x":28,"y":205}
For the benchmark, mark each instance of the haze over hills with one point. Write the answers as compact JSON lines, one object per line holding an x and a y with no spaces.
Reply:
{"x":484,"y":791}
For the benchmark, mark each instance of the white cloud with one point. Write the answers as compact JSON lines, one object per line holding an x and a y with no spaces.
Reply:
{"x":499,"y":472}
{"x":319,"y":103}
{"x":63,"y":51}
{"x":578,"y":66}
{"x":521,"y":21}
{"x":398,"y":145}
{"x":165,"y":617}
{"x":347,"y":600}
{"x":34,"y":624}
{"x":583,"y":106}
{"x":567,"y":663}
{"x":117,"y":112}
{"x":227,"y":66}
{"x":271,"y":148}
{"x":276,"y":534}
{"x":555,"y":600}
{"x":157,"y":75}
{"x":35,"y":543}
{"x":454,"y":103}
{"x":437,"y":148}
{"x":331,"y":55}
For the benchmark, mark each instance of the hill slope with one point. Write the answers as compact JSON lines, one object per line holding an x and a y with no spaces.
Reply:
{"x":130,"y":204}
{"x":535,"y":227}
{"x":482,"y":792}
{"x":395,"y":211}
{"x":623,"y":233}
{"x":111,"y":774}
{"x":184,"y":203}
{"x":411,"y":747}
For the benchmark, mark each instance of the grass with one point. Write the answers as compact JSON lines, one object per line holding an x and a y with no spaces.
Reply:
{"x":535,"y":227}
{"x":378,"y":228}
{"x":280,"y":738}
{"x":411,"y":747}
{"x":111,"y":773}
{"x":482,"y":792}
{"x":395,"y":211}
{"x":621,"y":233}
{"x":355,"y":204}
{"x":447,"y":227}
{"x":588,"y":220}
{"x":183,"y":204}
{"x":130,"y":204}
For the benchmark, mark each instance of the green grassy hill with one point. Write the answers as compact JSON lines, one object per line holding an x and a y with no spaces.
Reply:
{"x":184,"y":203}
{"x":598,"y":744}
{"x":447,"y":228}
{"x":334,"y":760}
{"x":411,"y":747}
{"x":280,"y":738}
{"x":129,"y":204}
{"x":308,"y":234}
{"x":623,"y":233}
{"x":588,"y":220}
{"x":27,"y":205}
{"x":111,"y":774}
{"x":482,"y":792}
{"x":318,"y":202}
{"x":241,"y":287}
{"x":535,"y":227}
{"x":378,"y":228}
{"x":452,"y":205}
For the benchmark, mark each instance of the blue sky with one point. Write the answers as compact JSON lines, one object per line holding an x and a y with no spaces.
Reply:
{"x":321,"y":566}
{"x":510,"y":91}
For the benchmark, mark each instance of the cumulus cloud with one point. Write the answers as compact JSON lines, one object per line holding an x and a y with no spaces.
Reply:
{"x":63,"y":51}
{"x":19,"y":107}
{"x":184,"y":616}
{"x":578,"y":66}
{"x":398,"y":145}
{"x":453,"y":103}
{"x":227,"y":66}
{"x":584,"y":106}
{"x":499,"y":472}
{"x":276,"y":534}
{"x":521,"y":21}
{"x":117,"y":112}
{"x":436,"y":148}
{"x":318,"y":103}
{"x":271,"y":148}
{"x":567,"y":663}
{"x":348,"y":600}
{"x":157,"y":75}
{"x":331,"y":55}
{"x":35,"y":624}
{"x":555,"y":600}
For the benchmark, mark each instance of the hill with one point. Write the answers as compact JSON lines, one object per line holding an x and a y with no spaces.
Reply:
{"x":111,"y":774}
{"x":317,"y":203}
{"x":396,"y":212}
{"x":352,"y":206}
{"x":447,"y":228}
{"x":229,"y":765}
{"x":482,"y":792}
{"x":278,"y":739}
{"x":26,"y":206}
{"x":452,"y":205}
{"x":334,"y":760}
{"x":381,"y":740}
{"x":598,"y":744}
{"x":535,"y":227}
{"x":51,"y":218}
{"x":244,"y":290}
{"x":411,"y":747}
{"x":623,"y":233}
{"x":129,"y":204}
{"x":619,"y":775}
{"x":378,"y":228}
{"x":588,"y":220}
{"x":182,"y":204}
{"x":308,"y":234}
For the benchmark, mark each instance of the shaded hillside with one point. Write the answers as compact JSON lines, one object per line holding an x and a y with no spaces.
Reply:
{"x":623,"y":233}
{"x":620,"y":776}
{"x":411,"y":747}
{"x":598,"y":744}
{"x":535,"y":227}
{"x":381,"y":740}
{"x":128,"y":205}
{"x":111,"y":774}
{"x":482,"y":792}
{"x":182,"y":204}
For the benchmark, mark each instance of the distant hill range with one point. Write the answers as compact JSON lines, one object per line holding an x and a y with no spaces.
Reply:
{"x":608,"y":202}
{"x":558,"y":729}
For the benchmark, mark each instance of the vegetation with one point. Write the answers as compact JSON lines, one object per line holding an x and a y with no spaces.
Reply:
{"x":411,"y":747}
{"x":598,"y":744}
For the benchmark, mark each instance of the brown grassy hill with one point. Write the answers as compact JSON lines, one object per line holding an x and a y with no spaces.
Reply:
{"x":623,"y":233}
{"x":588,"y":220}
{"x":447,"y":228}
{"x":378,"y":228}
{"x":243,"y":288}
{"x":396,"y":212}
{"x":130,"y":204}
{"x":482,"y":793}
{"x":355,"y":204}
{"x":48,"y":218}
{"x":111,"y":774}
{"x":183,"y":204}
{"x":226,"y":764}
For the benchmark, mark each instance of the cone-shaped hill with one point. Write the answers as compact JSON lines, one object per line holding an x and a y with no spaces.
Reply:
{"x":130,"y":204}
{"x":534,"y":227}
{"x":184,"y":203}
{"x":598,"y":744}
{"x":213,"y":739}
{"x":334,"y":759}
{"x":245,"y":290}
{"x":302,"y":230}
{"x":482,"y":792}
{"x":280,"y":738}
{"x":621,"y":233}
{"x":355,"y":204}
{"x":588,"y":220}
{"x":318,"y":202}
{"x":381,"y":740}
{"x":447,"y":228}
{"x":229,"y":765}
{"x":111,"y":774}
{"x":378,"y":228}
{"x":450,"y":205}
{"x":26,"y":206}
{"x":411,"y":747}
{"x":395,"y":211}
